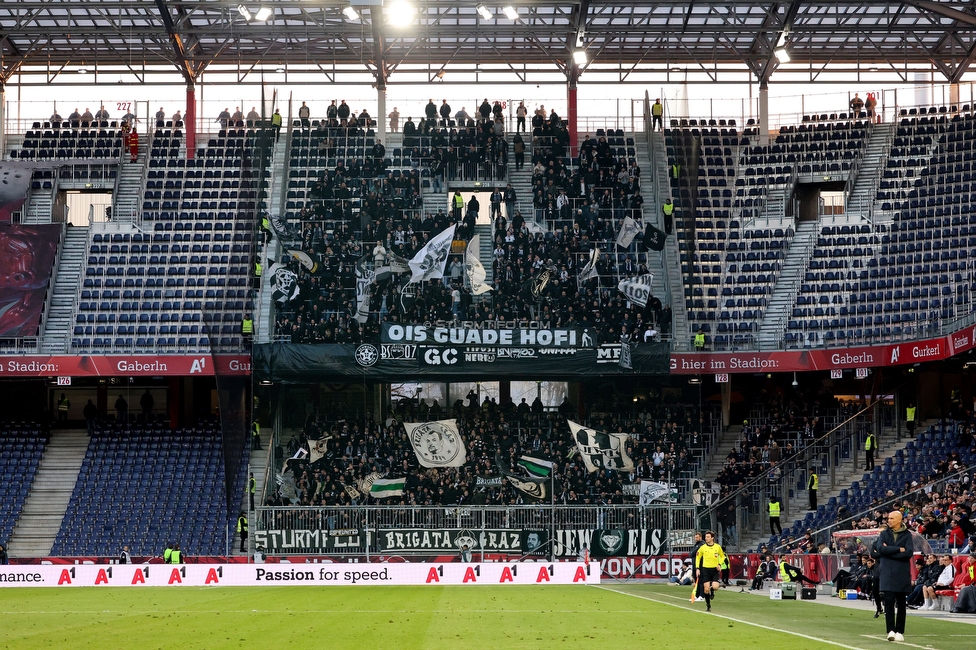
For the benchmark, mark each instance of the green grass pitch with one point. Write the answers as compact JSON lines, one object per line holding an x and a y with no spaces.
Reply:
{"x":614,"y":615}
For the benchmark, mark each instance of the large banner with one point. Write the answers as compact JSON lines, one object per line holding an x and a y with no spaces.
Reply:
{"x":566,"y":543}
{"x":411,"y":540}
{"x":549,"y":337}
{"x":311,"y":541}
{"x":132,"y":365}
{"x":27,"y":255}
{"x":13,"y":189}
{"x":392,"y":362}
{"x":290,"y":575}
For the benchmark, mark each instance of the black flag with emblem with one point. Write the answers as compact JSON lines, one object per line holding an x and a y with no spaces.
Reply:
{"x":654,"y":238}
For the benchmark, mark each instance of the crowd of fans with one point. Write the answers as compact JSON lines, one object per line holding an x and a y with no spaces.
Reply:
{"x":585,"y":205}
{"x":665,"y":438}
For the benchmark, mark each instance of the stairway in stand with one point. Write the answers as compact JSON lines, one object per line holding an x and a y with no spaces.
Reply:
{"x":56,"y":331}
{"x":47,"y":502}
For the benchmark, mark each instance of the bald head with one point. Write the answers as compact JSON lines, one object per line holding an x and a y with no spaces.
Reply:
{"x":894,"y":519}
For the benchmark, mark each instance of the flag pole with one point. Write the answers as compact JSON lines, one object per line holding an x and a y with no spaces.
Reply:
{"x":552,"y":514}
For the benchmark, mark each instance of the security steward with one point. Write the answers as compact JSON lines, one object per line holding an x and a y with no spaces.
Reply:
{"x":255,"y":436}
{"x":242,"y":529}
{"x":699,"y":340}
{"x":869,"y":446}
{"x":910,"y":419}
{"x":251,"y":486}
{"x":668,"y":210}
{"x":812,"y":486}
{"x":247,"y":326}
{"x":657,"y":115}
{"x":458,"y":203}
{"x":63,"y":405}
{"x":775,"y":528}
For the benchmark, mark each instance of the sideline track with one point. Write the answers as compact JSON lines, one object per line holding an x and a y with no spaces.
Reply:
{"x":736,"y":620}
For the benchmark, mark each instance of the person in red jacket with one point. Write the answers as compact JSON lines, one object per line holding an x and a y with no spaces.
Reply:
{"x":132,"y":141}
{"x":956,"y":537}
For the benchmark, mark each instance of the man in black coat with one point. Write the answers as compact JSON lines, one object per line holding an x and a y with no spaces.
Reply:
{"x":894,"y":550}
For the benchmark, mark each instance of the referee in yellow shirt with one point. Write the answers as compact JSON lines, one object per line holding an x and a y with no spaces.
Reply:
{"x":708,"y":564}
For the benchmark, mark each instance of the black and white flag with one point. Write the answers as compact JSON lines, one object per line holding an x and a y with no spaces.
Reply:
{"x":628,"y":230}
{"x":638,"y":290}
{"x":589,"y":270}
{"x":601,"y":450}
{"x":654,"y":238}
{"x":284,"y":284}
{"x":364,"y":280}
{"x":535,"y":287}
{"x":651,"y":491}
{"x":429,"y":262}
{"x":625,"y":360}
{"x":533,"y":488}
{"x":437,"y":444}
{"x":394,"y":264}
{"x":474,"y":269}
{"x":309,"y":260}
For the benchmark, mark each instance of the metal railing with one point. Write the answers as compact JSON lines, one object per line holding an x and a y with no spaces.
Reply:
{"x":840,"y":444}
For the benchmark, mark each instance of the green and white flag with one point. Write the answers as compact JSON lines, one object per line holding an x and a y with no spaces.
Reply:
{"x":387,"y":487}
{"x":536,"y":465}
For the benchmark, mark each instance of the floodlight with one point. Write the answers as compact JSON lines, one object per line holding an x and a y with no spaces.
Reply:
{"x":782,"y":55}
{"x":280,"y":70}
{"x":485,"y":12}
{"x":401,"y":13}
{"x":263,"y":14}
{"x":351,"y":13}
{"x":579,"y":57}
{"x":511,"y":12}
{"x":241,"y":9}
{"x":82,"y":70}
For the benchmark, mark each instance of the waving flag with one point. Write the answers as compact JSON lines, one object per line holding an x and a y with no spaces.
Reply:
{"x":429,"y":262}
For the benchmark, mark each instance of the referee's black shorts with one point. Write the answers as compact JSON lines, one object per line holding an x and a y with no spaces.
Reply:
{"x":709,"y":575}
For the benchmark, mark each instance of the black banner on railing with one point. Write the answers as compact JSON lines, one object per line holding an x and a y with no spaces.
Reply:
{"x":606,"y":542}
{"x":351,"y":540}
{"x":294,"y":364}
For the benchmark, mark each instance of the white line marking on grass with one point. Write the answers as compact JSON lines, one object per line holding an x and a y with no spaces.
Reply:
{"x":737,"y":620}
{"x":885,"y":638}
{"x":157,"y":613}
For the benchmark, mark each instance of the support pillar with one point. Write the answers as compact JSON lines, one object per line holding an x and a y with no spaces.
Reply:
{"x":571,"y":113}
{"x":504,"y":391}
{"x":3,"y":130}
{"x":173,"y":400}
{"x":381,"y":112}
{"x":727,"y":401}
{"x":190,"y":121}
{"x":954,"y":95}
{"x":763,"y":113}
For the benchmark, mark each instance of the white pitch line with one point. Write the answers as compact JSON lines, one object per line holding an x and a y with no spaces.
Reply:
{"x":885,"y":638}
{"x":737,"y":620}
{"x":319,"y":611}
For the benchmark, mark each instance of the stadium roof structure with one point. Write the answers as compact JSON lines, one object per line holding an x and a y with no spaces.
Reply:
{"x":465,"y":41}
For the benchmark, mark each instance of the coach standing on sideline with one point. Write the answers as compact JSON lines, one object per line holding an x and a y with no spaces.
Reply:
{"x":894,"y":549}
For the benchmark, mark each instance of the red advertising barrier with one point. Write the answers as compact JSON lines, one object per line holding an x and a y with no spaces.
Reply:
{"x":820,"y":568}
{"x":262,"y":575}
{"x":132,"y":365}
{"x":895,"y":354}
